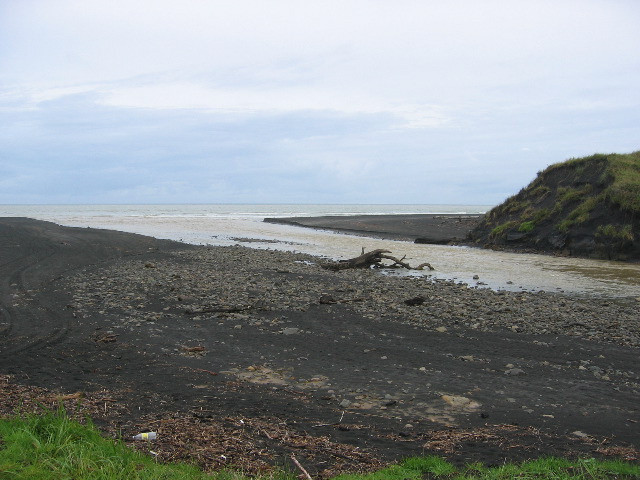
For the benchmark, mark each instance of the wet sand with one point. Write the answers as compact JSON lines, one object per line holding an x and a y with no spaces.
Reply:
{"x":242,"y":357}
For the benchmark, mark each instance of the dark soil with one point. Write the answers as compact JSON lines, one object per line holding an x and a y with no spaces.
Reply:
{"x":341,"y":385}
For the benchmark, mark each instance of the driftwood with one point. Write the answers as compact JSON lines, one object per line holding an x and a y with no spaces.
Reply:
{"x":374,"y":259}
{"x":304,"y":474}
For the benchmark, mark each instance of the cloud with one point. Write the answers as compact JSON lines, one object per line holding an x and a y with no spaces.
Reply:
{"x":284,"y":101}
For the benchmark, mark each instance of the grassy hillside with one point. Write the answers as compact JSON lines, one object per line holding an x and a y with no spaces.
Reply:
{"x":585,"y":207}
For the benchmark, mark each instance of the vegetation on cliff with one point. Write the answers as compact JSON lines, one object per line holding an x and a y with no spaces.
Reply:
{"x":584,"y":206}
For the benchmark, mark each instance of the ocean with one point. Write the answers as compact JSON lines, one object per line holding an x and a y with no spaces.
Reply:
{"x":231,"y":224}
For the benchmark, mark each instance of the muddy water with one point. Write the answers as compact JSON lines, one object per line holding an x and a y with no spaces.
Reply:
{"x":496,"y":270}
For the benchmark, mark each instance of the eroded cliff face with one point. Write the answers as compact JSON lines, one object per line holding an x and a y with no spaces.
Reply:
{"x":587,"y":207}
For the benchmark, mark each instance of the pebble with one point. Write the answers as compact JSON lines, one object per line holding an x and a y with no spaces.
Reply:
{"x":129,"y":292}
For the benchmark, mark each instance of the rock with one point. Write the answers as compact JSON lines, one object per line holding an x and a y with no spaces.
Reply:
{"x":419,"y":300}
{"x":459,"y":402}
{"x":290,"y":331}
{"x":441,"y":329}
{"x":327,"y":300}
{"x":345,"y":403}
{"x":515,"y":372}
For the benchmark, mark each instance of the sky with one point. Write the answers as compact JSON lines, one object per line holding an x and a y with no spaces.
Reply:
{"x":291,"y":101}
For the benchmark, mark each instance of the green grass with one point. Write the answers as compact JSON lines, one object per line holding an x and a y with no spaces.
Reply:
{"x":502,"y":229}
{"x":621,"y":173}
{"x":542,"y":469}
{"x":569,"y":195}
{"x":580,"y":214}
{"x":527,"y":227}
{"x":623,"y":232}
{"x":625,"y":189}
{"x":52,"y":446}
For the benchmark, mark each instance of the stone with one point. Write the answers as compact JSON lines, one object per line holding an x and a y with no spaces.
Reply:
{"x":459,"y":402}
{"x":327,"y":299}
{"x":419,"y":300}
{"x":515,"y":372}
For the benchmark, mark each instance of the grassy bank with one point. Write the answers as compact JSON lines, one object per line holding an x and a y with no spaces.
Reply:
{"x":52,"y":446}
{"x":584,"y":206}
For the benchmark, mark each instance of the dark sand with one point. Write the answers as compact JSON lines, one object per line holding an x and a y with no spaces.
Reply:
{"x":424,"y":228}
{"x":467,"y":394}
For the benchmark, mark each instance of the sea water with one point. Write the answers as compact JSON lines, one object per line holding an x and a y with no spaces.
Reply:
{"x":232,"y":224}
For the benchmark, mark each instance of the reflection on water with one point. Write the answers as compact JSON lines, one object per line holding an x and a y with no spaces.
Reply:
{"x":497,"y":270}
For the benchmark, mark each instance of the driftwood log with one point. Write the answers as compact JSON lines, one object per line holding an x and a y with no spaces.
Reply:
{"x":374,"y":259}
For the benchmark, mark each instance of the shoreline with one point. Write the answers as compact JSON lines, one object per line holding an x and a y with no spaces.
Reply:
{"x":244,"y":341}
{"x":438,"y":229}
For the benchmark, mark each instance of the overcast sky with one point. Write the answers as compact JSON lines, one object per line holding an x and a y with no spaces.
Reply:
{"x":277,"y":101}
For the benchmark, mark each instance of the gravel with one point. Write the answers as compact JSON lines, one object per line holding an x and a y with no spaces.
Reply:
{"x":238,"y":282}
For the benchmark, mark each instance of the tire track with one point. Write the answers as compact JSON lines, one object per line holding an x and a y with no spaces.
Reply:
{"x":34,"y":256}
{"x":27,"y":322}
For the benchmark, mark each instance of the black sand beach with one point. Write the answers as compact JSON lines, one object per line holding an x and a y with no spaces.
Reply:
{"x":241,"y":357}
{"x":424,"y":228}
